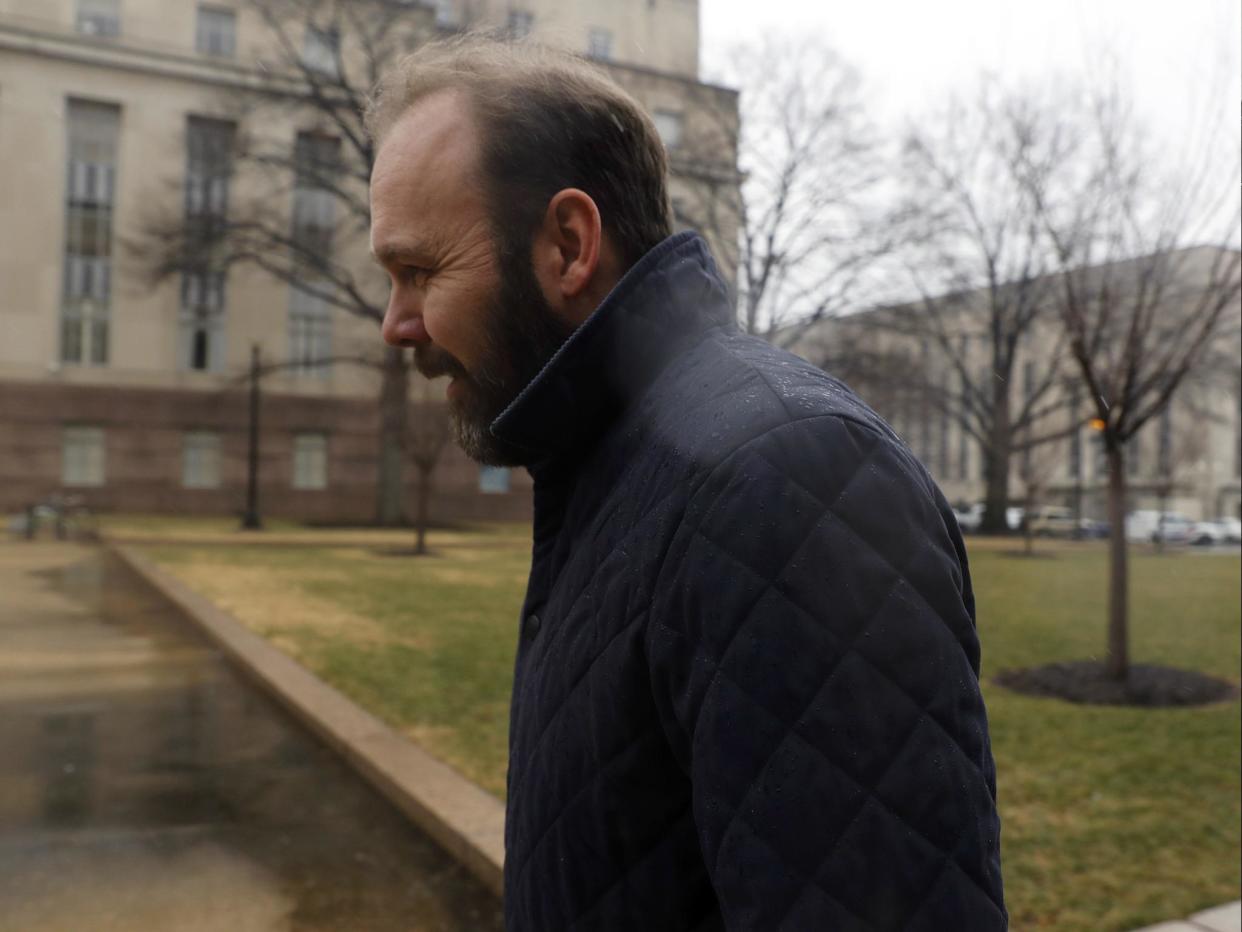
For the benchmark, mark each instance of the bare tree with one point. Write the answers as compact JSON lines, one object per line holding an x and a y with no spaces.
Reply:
{"x":300,"y":210}
{"x":976,"y":256}
{"x":1141,"y":305}
{"x":803,"y":218}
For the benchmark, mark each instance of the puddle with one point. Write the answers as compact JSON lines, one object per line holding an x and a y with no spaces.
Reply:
{"x":146,"y":785}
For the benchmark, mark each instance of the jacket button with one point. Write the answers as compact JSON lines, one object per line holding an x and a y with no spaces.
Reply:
{"x":532,"y":625}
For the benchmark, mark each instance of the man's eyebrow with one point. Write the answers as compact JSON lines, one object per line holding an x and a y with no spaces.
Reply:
{"x":396,"y":252}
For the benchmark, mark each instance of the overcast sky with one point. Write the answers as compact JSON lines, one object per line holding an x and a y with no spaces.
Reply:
{"x":911,"y":53}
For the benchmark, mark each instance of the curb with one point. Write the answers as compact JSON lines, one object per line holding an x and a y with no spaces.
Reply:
{"x":462,"y":818}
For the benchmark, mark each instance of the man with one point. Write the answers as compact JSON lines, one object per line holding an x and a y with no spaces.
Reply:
{"x":746,"y":691}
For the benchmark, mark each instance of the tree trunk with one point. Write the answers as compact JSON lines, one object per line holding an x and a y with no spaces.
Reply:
{"x":996,"y":466}
{"x":394,"y":413}
{"x":1118,"y":664}
{"x":424,"y":501}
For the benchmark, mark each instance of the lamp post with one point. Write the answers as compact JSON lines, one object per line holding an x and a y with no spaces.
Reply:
{"x":251,"y":520}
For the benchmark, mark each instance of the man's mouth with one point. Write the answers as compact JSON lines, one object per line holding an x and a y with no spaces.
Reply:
{"x":432,"y":363}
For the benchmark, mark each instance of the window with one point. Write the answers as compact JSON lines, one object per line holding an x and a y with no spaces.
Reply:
{"x":599,"y":44}
{"x":209,"y":166}
{"x":82,"y":456}
{"x":963,"y":449}
{"x":1075,"y":438}
{"x":1164,"y":451}
{"x":200,"y":460}
{"x":493,"y":480}
{"x":310,"y":330}
{"x":310,"y":461}
{"x":216,"y":32}
{"x":320,"y":50}
{"x":316,"y":165}
{"x":90,"y":191}
{"x":924,"y":409}
{"x":520,"y":24}
{"x":1237,"y":433}
{"x":1134,"y":454}
{"x":99,"y":18}
{"x":668,"y":124}
{"x":201,"y":320}
{"x":963,"y":436}
{"x":1028,"y":389}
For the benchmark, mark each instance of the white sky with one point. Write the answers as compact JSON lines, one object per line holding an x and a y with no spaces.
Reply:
{"x":912,"y":53}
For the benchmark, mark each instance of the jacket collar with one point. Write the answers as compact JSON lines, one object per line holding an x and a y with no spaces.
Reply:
{"x":662,"y":305}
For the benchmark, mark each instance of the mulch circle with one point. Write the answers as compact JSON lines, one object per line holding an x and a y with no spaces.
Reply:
{"x":1087,"y":682}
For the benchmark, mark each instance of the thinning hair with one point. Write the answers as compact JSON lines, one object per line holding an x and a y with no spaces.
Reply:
{"x":547,"y":121}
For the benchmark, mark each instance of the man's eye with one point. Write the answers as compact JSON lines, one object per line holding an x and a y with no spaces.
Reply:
{"x":414,"y":273}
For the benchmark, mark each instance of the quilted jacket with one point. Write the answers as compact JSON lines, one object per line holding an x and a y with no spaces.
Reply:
{"x":746,"y":690}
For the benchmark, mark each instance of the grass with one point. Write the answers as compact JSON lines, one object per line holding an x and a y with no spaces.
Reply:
{"x":1112,"y":818}
{"x":427,"y":644}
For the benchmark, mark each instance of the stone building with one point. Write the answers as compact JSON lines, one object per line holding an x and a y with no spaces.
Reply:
{"x":1187,"y":460}
{"x":130,"y":392}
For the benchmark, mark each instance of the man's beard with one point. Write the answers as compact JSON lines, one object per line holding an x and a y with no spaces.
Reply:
{"x":521,"y":333}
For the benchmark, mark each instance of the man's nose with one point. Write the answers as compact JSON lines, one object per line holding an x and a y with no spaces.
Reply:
{"x":403,"y":323}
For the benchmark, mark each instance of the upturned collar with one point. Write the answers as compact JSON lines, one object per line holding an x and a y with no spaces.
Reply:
{"x":662,"y":305}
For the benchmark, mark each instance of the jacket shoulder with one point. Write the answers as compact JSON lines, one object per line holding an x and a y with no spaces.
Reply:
{"x":731,"y":390}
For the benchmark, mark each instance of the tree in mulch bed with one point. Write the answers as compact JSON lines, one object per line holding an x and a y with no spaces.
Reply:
{"x":1091,"y":683}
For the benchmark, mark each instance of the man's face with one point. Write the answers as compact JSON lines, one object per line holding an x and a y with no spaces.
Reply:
{"x":470,"y":310}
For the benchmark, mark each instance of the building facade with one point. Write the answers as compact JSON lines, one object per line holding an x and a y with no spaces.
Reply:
{"x":1188,"y":459}
{"x":127,"y":388}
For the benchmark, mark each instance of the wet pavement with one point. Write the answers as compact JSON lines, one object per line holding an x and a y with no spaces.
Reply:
{"x":144,"y":785}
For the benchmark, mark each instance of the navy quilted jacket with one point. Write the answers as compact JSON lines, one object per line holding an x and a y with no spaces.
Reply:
{"x":746,"y":690}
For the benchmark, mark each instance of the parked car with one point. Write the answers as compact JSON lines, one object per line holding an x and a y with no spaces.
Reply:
{"x":969,"y":517}
{"x":1051,"y":521}
{"x":1089,"y":529}
{"x":1151,"y":526}
{"x":1217,"y":531}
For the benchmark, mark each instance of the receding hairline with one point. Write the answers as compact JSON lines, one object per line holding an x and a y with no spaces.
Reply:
{"x":383,"y":120}
{"x":473,"y":63}
{"x":464,"y":107}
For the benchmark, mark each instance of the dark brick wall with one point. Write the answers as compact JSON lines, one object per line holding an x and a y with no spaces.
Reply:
{"x":144,"y":434}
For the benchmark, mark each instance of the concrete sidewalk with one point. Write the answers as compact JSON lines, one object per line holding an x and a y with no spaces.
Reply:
{"x":1226,"y":918}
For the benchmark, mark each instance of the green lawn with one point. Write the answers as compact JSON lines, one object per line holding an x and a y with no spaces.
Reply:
{"x":1112,"y":818}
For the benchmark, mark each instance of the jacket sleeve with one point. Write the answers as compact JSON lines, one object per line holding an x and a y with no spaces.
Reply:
{"x":815,"y":666}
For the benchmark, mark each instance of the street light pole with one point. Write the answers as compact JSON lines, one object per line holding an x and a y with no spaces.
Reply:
{"x":251,"y":520}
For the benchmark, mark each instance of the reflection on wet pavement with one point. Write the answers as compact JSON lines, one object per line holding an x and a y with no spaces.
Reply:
{"x":144,"y":785}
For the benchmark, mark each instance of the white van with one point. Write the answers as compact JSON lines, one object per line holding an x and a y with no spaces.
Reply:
{"x":1146,"y":525}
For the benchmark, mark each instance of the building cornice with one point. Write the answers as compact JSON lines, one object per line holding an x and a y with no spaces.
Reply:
{"x":46,"y":39}
{"x":63,"y":45}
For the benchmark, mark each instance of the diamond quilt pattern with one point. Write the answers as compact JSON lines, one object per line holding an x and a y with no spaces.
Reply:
{"x":753,"y":699}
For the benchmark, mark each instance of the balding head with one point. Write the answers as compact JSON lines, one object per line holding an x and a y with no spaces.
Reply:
{"x":547,"y":121}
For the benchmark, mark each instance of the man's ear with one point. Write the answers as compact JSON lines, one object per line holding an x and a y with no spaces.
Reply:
{"x":568,"y":251}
